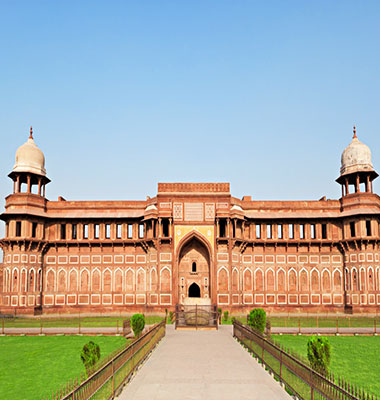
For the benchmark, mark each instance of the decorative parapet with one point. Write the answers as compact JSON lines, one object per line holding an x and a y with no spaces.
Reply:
{"x":194,"y":188}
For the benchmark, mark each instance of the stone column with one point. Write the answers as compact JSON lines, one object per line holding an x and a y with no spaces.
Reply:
{"x":357,"y":183}
{"x":28,"y":179}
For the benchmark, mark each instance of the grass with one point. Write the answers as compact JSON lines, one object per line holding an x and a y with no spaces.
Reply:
{"x":33,"y":367}
{"x":355,"y":358}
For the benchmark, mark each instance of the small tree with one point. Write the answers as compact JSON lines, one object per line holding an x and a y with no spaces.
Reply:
{"x":90,"y":355}
{"x":138,"y":324}
{"x":257,"y":318}
{"x":319,"y":354}
{"x":225,"y":315}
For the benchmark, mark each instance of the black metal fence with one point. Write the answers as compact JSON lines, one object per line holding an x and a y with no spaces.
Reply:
{"x":197,"y":316}
{"x":107,"y":378}
{"x":294,"y":373}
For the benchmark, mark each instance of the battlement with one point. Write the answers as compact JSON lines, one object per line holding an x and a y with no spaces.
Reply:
{"x":194,"y":188}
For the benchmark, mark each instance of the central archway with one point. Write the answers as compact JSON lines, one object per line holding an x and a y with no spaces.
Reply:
{"x":194,"y":264}
{"x":194,"y":290}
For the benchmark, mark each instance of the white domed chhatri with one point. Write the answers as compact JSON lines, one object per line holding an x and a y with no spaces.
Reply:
{"x":356,"y":168}
{"x":356,"y":157}
{"x":29,"y":158}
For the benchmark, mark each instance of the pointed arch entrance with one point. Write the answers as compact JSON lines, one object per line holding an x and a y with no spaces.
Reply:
{"x":194,"y":261}
{"x":194,"y":290}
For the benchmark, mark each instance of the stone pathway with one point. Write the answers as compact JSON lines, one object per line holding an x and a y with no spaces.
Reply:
{"x":202,"y":365}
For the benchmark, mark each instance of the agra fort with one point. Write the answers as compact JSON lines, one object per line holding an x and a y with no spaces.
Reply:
{"x":190,"y":240}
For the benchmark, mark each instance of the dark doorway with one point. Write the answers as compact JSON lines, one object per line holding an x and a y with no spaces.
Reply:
{"x":194,"y":290}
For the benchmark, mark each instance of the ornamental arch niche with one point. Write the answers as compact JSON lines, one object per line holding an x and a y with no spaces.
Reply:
{"x":193,"y":250}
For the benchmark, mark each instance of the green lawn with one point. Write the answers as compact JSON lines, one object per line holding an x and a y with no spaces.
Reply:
{"x":355,"y":358}
{"x":32,"y":367}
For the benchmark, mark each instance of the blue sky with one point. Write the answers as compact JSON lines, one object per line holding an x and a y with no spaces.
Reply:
{"x":122,"y":95}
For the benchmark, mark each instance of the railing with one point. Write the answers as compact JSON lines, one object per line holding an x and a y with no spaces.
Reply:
{"x":197,"y":316}
{"x":108,"y":377}
{"x":295,"y":374}
{"x":105,"y":324}
{"x":328,"y":324}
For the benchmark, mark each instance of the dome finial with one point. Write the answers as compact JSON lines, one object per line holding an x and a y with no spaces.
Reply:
{"x":31,"y":133}
{"x":354,"y":137}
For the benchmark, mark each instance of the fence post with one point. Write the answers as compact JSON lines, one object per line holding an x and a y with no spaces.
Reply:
{"x":299,"y":325}
{"x":337,"y":325}
{"x":132,"y":357}
{"x":2,"y":326}
{"x":40,"y":325}
{"x":280,"y":365}
{"x":117,"y":327}
{"x":176,"y":316}
{"x":79,"y":323}
{"x":374,"y":325}
{"x":113,"y":389}
{"x":311,"y":385}
{"x":196,"y":316}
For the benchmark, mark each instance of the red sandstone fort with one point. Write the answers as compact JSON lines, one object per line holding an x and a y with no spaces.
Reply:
{"x":190,"y":240}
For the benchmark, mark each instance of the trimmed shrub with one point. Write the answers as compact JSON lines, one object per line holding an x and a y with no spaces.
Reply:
{"x":90,"y":355}
{"x":257,"y":318}
{"x":225,"y":315}
{"x":138,"y":324}
{"x":233,"y":319}
{"x":319,"y":354}
{"x":171,"y":314}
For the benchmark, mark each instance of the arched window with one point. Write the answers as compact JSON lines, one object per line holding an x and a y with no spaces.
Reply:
{"x":194,"y":267}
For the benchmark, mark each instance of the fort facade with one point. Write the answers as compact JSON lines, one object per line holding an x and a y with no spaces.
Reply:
{"x":190,"y":240}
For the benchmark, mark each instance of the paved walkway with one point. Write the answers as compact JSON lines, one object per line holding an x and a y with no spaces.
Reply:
{"x":202,"y":365}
